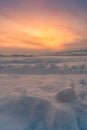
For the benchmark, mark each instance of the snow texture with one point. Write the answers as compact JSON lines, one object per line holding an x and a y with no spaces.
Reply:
{"x":43,"y":65}
{"x":43,"y":93}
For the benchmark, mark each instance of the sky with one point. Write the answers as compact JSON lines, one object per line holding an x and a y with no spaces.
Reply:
{"x":42,"y":25}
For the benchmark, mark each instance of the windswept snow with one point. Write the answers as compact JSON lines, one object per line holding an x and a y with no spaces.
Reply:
{"x":43,"y":65}
{"x":43,"y":93}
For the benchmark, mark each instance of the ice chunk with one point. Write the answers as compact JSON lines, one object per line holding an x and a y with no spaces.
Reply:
{"x":67,"y":94}
{"x":82,"y":81}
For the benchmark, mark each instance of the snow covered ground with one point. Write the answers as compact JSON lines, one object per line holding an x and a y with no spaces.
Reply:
{"x":30,"y":91}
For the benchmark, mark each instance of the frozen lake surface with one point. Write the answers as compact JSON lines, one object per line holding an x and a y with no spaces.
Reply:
{"x":28,"y":89}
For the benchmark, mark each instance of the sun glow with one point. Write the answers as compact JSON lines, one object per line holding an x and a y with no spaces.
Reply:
{"x":35,"y":35}
{"x":42,"y":25}
{"x":50,"y":37}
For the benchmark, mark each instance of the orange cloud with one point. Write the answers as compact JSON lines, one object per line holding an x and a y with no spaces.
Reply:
{"x":35,"y":31}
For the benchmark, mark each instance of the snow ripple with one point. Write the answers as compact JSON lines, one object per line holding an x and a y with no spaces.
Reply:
{"x":42,"y":68}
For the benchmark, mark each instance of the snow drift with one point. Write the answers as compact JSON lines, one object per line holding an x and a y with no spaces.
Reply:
{"x":42,"y":114}
{"x":42,"y":68}
{"x":43,"y":65}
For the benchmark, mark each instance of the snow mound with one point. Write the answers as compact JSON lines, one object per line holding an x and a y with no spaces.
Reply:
{"x":67,"y":94}
{"x":39,"y":114}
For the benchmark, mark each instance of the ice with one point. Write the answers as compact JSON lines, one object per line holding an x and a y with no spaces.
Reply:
{"x":83,"y":82}
{"x":68,"y":94}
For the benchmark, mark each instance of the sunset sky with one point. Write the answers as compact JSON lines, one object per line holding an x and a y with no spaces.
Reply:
{"x":32,"y":25}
